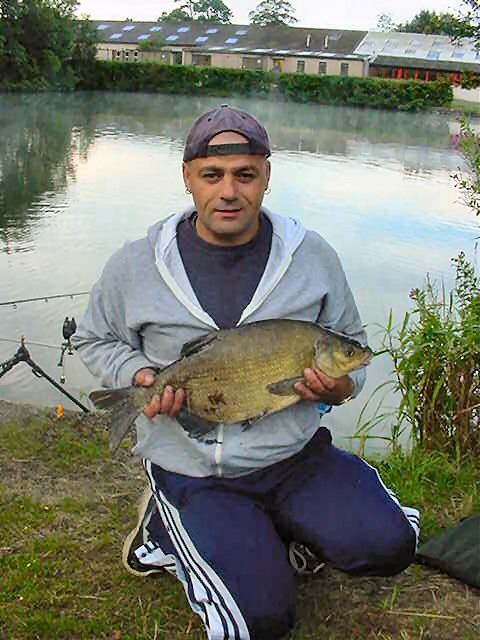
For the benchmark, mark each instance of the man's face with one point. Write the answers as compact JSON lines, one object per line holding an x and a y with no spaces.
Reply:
{"x":228,"y":192}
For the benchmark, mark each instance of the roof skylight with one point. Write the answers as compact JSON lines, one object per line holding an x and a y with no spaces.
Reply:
{"x":172,"y":38}
{"x":116,"y":36}
{"x":433,"y":55}
{"x":231,"y":40}
{"x":156,"y":28}
{"x":183,"y":29}
{"x":128,"y":27}
{"x":102,"y":27}
{"x":201,"y":39}
{"x":212,"y":30}
{"x":145,"y":36}
{"x":241,"y":32}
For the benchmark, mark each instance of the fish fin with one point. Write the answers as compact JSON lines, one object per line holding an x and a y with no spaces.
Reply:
{"x":284,"y":387}
{"x":195,"y":426}
{"x":197,"y":344}
{"x":107,"y":398}
{"x":123,"y":414}
{"x":247,"y":424}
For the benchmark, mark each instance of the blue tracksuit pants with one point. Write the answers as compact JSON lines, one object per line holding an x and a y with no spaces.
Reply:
{"x":227,"y":537}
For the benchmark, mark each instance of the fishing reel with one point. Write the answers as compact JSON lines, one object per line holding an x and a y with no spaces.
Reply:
{"x":68,"y":329}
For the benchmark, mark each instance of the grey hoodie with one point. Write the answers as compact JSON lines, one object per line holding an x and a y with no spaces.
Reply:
{"x":143,"y":309}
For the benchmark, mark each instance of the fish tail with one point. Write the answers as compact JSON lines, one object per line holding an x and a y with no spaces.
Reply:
{"x":124,"y":412}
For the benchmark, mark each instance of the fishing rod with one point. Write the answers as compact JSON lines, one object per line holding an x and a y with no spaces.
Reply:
{"x":44,"y":298}
{"x":23,"y":355}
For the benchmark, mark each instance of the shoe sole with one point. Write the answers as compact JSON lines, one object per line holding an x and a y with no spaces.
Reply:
{"x":142,"y":507}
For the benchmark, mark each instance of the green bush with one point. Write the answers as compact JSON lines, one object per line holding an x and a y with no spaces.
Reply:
{"x":436,"y":356}
{"x":365,"y":92}
{"x":151,"y":76}
{"x":334,"y":90}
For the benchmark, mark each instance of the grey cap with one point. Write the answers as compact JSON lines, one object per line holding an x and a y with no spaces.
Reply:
{"x":226,"y":118}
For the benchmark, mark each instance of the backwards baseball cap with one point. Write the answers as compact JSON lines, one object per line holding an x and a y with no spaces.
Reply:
{"x":226,"y":118}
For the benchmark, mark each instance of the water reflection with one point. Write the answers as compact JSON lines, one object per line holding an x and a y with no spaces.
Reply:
{"x":42,"y":139}
{"x":39,"y":139}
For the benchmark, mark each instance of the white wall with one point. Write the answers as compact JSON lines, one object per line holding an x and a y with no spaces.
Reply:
{"x":471,"y":95}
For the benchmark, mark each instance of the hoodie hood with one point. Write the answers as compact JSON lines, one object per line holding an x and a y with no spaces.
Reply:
{"x":287,"y":235}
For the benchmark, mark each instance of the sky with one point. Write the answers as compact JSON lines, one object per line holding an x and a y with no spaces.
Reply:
{"x":343,"y":14}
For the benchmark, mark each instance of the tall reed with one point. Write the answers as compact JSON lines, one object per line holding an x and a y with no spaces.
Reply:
{"x":436,"y":358}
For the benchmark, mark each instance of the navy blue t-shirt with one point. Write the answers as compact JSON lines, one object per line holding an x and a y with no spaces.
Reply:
{"x":224,"y":279}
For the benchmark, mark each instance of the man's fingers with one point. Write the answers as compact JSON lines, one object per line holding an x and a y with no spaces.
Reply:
{"x":314,"y":383}
{"x":167,"y":399}
{"x":327,"y":381}
{"x":178,"y":401}
{"x":145,"y":377}
{"x":305,"y":393}
{"x":151,"y":410}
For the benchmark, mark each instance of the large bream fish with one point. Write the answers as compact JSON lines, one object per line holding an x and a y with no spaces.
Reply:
{"x":238,"y":375}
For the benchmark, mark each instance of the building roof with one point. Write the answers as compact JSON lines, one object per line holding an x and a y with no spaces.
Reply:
{"x":395,"y":48}
{"x":278,"y":40}
{"x":421,"y":63}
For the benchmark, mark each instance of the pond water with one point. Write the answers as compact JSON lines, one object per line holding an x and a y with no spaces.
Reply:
{"x":81,"y":174}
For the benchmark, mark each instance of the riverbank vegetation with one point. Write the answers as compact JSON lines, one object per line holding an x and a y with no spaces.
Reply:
{"x":334,"y":90}
{"x":67,"y":506}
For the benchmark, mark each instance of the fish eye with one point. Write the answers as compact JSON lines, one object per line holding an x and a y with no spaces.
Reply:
{"x":350,"y":351}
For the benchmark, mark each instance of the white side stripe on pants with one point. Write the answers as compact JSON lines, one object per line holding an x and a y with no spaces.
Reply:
{"x":412,"y":515}
{"x":207,"y":594}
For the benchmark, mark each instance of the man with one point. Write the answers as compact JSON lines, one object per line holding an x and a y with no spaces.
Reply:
{"x":222,"y":510}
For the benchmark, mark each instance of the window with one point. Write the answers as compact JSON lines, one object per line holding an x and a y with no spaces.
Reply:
{"x":241,"y":32}
{"x":252,"y":63}
{"x":433,"y":55}
{"x":300,"y":66}
{"x":322,"y":68}
{"x":172,"y":38}
{"x":201,"y":60}
{"x":183,"y":29}
{"x":458,"y":54}
{"x":231,"y":40}
{"x":128,"y":27}
{"x":344,"y":69}
{"x":201,"y":39}
{"x":211,"y":31}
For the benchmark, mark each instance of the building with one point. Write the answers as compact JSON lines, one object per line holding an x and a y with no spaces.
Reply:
{"x":282,"y":49}
{"x":415,"y":56}
{"x":400,"y":56}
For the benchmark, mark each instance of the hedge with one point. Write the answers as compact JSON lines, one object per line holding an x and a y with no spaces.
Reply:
{"x":406,"y":95}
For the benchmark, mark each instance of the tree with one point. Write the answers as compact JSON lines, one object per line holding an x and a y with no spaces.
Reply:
{"x":385,"y":22}
{"x":39,"y":39}
{"x":177,"y":15}
{"x":273,"y":12}
{"x":431,"y":22}
{"x":468,"y":24}
{"x":201,"y":10}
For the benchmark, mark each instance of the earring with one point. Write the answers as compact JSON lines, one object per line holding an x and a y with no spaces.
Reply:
{"x":187,"y":190}
{"x":267,"y":191}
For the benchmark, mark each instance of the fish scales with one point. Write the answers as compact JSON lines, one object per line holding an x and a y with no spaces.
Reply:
{"x":238,"y":375}
{"x":243,"y":370}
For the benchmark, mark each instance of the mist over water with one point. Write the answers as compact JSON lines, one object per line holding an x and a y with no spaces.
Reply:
{"x":81,"y":174}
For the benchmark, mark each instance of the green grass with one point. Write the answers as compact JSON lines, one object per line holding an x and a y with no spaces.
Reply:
{"x":467,"y":107}
{"x":66,"y":507}
{"x":444,"y":490}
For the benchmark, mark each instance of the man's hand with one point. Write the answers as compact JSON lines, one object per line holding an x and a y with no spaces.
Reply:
{"x":169,"y":403}
{"x":319,"y":387}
